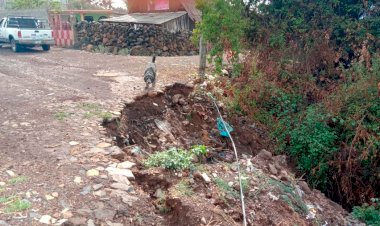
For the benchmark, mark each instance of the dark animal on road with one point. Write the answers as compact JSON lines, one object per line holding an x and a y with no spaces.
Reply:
{"x":150,"y":73}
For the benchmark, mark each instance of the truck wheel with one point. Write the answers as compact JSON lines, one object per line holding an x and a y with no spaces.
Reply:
{"x":15,"y":47}
{"x":46,"y":47}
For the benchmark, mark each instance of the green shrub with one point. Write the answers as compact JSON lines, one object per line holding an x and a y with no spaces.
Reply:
{"x":370,"y":214}
{"x":175,"y":158}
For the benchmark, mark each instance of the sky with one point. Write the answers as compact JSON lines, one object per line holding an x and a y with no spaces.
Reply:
{"x":119,"y":4}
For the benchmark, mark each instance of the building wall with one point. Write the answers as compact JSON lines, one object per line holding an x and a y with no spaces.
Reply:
{"x":144,"y":6}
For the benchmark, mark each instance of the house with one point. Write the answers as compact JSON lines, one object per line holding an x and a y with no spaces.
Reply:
{"x":173,"y":15}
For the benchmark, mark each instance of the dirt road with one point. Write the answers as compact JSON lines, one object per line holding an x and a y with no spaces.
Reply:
{"x":51,"y":106}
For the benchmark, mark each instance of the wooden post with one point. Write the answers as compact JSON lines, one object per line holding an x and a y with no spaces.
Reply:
{"x":74,"y":36}
{"x":202,"y":56}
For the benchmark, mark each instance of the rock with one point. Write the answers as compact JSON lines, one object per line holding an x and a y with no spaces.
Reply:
{"x":45,"y":219}
{"x":121,"y":179}
{"x":123,"y":172}
{"x":214,"y":175}
{"x":55,"y":194}
{"x":84,"y":212}
{"x":305,"y":187}
{"x":60,"y":222}
{"x":96,"y":150}
{"x":264,"y":154}
{"x":197,"y":175}
{"x":284,"y":176}
{"x":159,"y":193}
{"x":104,"y":214}
{"x":3,"y":223}
{"x":78,"y":180}
{"x":109,"y":223}
{"x":10,"y":173}
{"x":77,"y":221}
{"x":67,"y":214}
{"x":92,"y":173}
{"x":73,"y":143}
{"x":49,"y":197}
{"x":272,"y":169}
{"x":2,"y":184}
{"x":203,"y":220}
{"x":103,"y":145}
{"x":185,"y":123}
{"x":128,"y":199}
{"x":206,"y":178}
{"x":97,"y":186}
{"x":126,"y":165}
{"x":225,"y":72}
{"x":116,"y":153}
{"x":86,"y":190}
{"x":90,"y":222}
{"x":176,"y":98}
{"x":100,"y":193}
{"x":90,"y":47}
{"x":230,"y":183}
{"x":120,"y":186}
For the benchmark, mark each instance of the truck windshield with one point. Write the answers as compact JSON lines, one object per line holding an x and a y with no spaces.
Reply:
{"x":22,"y":23}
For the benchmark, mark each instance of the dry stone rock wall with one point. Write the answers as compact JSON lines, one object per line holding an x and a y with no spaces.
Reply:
{"x":142,"y":40}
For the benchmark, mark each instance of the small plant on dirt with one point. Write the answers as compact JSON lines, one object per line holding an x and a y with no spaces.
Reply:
{"x":175,"y":159}
{"x":17,"y":205}
{"x":17,"y":180}
{"x":224,"y":187}
{"x":160,"y":204}
{"x":370,"y":214}
{"x":290,"y":196}
{"x":106,"y":116}
{"x":183,"y":189}
{"x":61,"y":115}
{"x":102,"y":49}
{"x":124,"y":52}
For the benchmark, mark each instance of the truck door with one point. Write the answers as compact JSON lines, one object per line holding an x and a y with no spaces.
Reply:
{"x":2,"y":30}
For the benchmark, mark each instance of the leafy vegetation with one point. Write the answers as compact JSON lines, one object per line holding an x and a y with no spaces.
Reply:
{"x":224,"y":187}
{"x":370,"y":214}
{"x":312,"y":77}
{"x":175,"y":159}
{"x":18,"y":180}
{"x":223,"y":25}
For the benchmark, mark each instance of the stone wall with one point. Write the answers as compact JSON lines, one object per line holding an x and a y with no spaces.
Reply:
{"x":142,"y":40}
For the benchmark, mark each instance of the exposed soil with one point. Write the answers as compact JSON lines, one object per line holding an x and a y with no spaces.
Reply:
{"x":182,"y":116}
{"x":190,"y":119}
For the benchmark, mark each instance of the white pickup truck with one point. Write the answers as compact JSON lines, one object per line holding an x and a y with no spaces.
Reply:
{"x":24,"y":32}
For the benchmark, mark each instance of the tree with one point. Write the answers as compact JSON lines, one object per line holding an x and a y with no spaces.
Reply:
{"x":27,"y":4}
{"x":223,"y":26}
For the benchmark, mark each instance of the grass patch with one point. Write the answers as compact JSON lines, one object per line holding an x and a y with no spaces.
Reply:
{"x":176,"y":159}
{"x":124,"y":52}
{"x":17,"y":205}
{"x":5,"y":199}
{"x":95,"y":110}
{"x":183,"y":189}
{"x":160,"y":204}
{"x":290,"y":196}
{"x":370,"y":214}
{"x":18,"y":180}
{"x":61,"y":115}
{"x":224,"y":187}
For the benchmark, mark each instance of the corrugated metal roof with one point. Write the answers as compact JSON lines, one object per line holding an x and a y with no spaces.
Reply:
{"x":190,"y":6}
{"x":146,"y":18}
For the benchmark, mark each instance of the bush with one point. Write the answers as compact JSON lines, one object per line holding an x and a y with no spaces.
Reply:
{"x":370,"y":214}
{"x":175,"y":159}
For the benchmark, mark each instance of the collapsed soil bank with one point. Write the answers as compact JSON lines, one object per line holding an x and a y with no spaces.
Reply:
{"x":188,"y":119}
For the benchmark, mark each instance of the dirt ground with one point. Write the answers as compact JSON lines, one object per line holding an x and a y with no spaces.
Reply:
{"x":76,"y":128}
{"x":51,"y":107}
